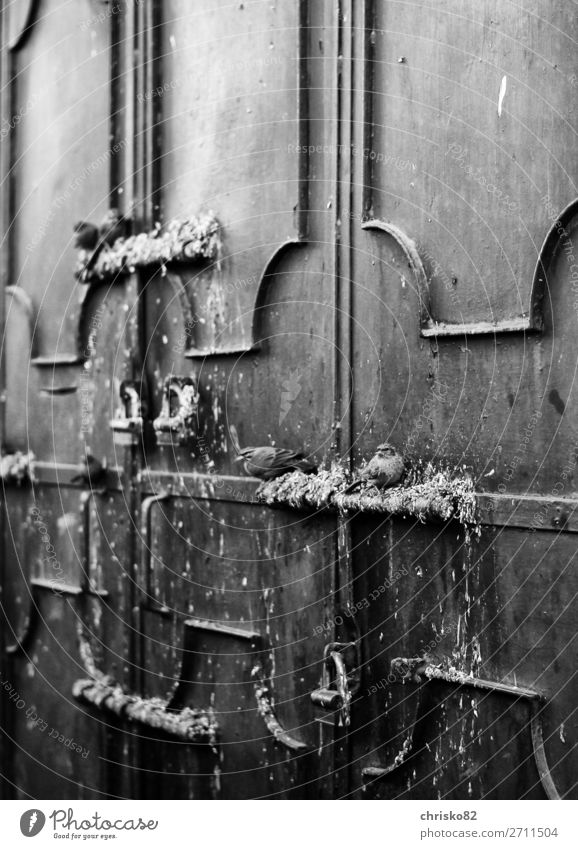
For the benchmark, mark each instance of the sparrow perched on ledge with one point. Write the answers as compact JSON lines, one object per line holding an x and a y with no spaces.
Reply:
{"x":385,"y":469}
{"x":91,"y":240}
{"x":90,"y":472}
{"x":268,"y":463}
{"x":86,"y":236}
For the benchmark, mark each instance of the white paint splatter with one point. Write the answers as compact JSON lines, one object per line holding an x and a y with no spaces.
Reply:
{"x":502,"y":94}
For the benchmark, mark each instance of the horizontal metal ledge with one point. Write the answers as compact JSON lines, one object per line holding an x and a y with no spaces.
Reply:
{"x":57,"y":360}
{"x":542,"y":513}
{"x":222,"y":628}
{"x":208,"y":487}
{"x":61,"y":474}
{"x":478,"y":328}
{"x":499,"y":687}
{"x":59,"y":588}
{"x":56,"y":391}
{"x":224,"y":351}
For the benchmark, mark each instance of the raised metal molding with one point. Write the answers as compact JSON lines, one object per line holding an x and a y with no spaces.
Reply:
{"x":509,"y":510}
{"x":24,"y":301}
{"x":61,"y":474}
{"x":249,"y":335}
{"x":531,"y":321}
{"x":63,"y":360}
{"x":409,"y":248}
{"x":542,"y":512}
{"x":207,"y":487}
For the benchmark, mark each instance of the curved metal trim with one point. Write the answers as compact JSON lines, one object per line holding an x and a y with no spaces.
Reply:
{"x":180,"y":290}
{"x":236,"y":349}
{"x":252,"y":344}
{"x":533,"y":321}
{"x":19,"y":38}
{"x":194,"y":725}
{"x":273,"y":260}
{"x":547,"y":252}
{"x":146,"y":530}
{"x":540,"y":752}
{"x":409,"y":248}
{"x":23,"y":640}
{"x":267,"y":714}
{"x":375,"y":773}
{"x":24,"y":301}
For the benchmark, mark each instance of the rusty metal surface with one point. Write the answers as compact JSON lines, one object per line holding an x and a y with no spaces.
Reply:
{"x":351,"y":300}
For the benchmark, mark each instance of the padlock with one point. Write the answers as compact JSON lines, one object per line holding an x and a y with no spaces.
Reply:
{"x":128,"y":426}
{"x":327,"y":699}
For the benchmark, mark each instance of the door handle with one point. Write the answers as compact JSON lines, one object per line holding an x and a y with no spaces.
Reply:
{"x":128,"y":426}
{"x":340,"y":681}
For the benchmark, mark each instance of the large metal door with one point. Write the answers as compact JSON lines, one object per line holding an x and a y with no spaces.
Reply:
{"x":369,"y":255}
{"x":463,"y":246}
{"x":170,"y":631}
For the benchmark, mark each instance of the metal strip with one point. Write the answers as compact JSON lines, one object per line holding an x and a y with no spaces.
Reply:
{"x":59,"y":588}
{"x":193,"y":725}
{"x":274,"y":727}
{"x":540,"y":753}
{"x":146,"y":530}
{"x":509,"y":510}
{"x":219,"y":628}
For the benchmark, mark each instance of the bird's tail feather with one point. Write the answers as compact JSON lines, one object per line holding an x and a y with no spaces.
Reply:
{"x":235,"y":438}
{"x":351,"y":487}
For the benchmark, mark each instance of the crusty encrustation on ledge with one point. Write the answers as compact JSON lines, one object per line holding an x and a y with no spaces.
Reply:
{"x":426,"y":493}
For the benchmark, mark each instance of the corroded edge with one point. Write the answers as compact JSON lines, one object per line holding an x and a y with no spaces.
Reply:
{"x":194,"y":725}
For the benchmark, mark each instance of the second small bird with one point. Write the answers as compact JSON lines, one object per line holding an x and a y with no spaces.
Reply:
{"x":90,"y":472}
{"x":385,"y":468}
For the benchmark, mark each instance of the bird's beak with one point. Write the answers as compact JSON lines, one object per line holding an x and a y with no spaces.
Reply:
{"x":237,"y":459}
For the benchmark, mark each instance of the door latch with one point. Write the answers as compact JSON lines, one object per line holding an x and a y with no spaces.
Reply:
{"x":340,"y":680}
{"x":127,"y":427}
{"x":177,"y":423}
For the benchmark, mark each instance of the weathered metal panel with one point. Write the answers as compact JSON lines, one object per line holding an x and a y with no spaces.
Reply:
{"x":473,"y":115}
{"x":233,"y":595}
{"x":500,"y":611}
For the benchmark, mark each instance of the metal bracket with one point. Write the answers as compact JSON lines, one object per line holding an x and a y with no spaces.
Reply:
{"x":345,"y":679}
{"x":177,"y":423}
{"x":128,"y":426}
{"x":412,"y":669}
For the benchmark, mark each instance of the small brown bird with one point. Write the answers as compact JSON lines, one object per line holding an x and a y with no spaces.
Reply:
{"x":86,"y":236}
{"x":268,"y":463}
{"x":385,"y":468}
{"x":92,"y":240}
{"x":90,"y":472}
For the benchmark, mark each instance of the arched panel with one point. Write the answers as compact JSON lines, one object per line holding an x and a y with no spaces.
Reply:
{"x":470,"y":140}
